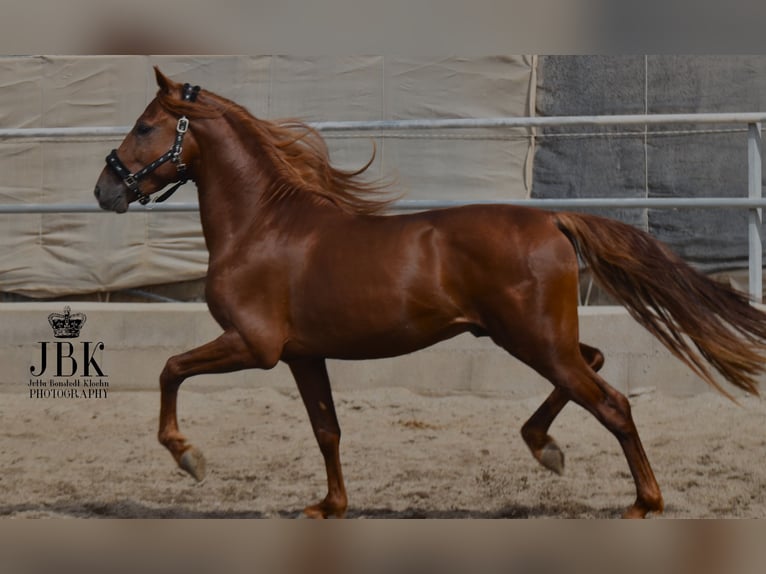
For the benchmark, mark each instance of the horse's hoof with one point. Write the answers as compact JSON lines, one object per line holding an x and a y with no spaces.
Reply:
{"x":640,"y":509}
{"x":194,"y":463}
{"x":634,"y":512}
{"x":312,"y":513}
{"x":321,"y":511}
{"x":552,"y":458}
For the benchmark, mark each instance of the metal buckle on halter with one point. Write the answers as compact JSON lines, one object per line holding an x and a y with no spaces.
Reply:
{"x":183,"y":125}
{"x":131,"y":181}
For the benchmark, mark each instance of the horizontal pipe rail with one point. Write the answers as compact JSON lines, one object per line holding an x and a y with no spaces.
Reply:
{"x":61,"y":133}
{"x":542,"y":121}
{"x":427,"y":124}
{"x":421,"y":204}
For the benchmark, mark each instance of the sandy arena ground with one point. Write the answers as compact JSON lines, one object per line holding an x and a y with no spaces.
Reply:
{"x":405,"y":455}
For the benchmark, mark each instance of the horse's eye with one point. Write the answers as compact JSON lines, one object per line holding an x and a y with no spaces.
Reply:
{"x":142,"y":129}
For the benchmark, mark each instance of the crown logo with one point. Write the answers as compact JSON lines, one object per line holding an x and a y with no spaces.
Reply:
{"x":68,"y":325}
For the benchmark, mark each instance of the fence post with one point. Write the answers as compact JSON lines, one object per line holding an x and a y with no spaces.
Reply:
{"x":755,"y":216}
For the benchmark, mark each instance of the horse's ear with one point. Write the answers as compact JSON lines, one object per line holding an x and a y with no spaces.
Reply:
{"x":164,"y":83}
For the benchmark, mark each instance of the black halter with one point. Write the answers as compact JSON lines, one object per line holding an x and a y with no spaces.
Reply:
{"x":131,"y":180}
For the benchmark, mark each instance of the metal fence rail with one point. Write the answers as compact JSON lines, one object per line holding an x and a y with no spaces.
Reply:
{"x":754,"y":202}
{"x":422,"y":204}
{"x":434,"y":124}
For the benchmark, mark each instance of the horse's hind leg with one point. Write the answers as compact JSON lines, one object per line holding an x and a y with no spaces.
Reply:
{"x":314,"y":386}
{"x":557,"y":356}
{"x":225,"y":354}
{"x":535,"y":430}
{"x":574,"y":378}
{"x":612,"y":409}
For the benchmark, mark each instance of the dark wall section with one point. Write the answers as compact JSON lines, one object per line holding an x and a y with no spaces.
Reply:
{"x":660,"y":163}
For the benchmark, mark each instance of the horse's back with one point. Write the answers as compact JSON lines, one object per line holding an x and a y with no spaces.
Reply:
{"x":495,"y":226}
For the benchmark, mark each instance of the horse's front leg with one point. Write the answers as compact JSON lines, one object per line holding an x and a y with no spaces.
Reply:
{"x":314,"y":386}
{"x":225,"y":354}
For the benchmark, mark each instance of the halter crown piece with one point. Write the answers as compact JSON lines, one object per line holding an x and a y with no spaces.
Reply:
{"x":131,"y":180}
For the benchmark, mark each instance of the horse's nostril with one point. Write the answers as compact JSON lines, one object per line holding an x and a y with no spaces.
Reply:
{"x":97,"y":192}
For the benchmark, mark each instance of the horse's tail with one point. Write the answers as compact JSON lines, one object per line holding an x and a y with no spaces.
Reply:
{"x":677,"y":304}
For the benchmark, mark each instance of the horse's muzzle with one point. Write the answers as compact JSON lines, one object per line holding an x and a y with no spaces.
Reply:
{"x":114,"y":201}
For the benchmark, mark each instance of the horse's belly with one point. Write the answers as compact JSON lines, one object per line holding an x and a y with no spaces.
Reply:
{"x":334,"y":342}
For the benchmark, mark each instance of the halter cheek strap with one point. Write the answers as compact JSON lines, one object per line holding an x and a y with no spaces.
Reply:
{"x":131,"y":180}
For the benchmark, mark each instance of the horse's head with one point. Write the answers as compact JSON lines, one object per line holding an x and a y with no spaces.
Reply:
{"x":158,"y":150}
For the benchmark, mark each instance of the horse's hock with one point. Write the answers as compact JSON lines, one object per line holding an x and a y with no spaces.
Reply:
{"x":139,"y":337}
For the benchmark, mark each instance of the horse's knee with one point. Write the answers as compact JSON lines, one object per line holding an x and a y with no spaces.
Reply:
{"x":171,"y":375}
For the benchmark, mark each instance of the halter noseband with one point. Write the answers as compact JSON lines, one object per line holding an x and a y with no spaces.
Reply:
{"x":131,"y":180}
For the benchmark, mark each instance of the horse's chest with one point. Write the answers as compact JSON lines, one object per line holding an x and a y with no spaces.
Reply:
{"x":238,"y":292}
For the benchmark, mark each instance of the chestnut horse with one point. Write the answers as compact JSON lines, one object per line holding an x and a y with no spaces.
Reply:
{"x":304,"y":267}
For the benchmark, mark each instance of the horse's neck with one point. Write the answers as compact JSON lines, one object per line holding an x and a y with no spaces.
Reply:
{"x":230,"y":184}
{"x":227,"y":183}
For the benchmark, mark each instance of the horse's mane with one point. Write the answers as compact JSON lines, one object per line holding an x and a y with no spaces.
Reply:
{"x":295,"y":151}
